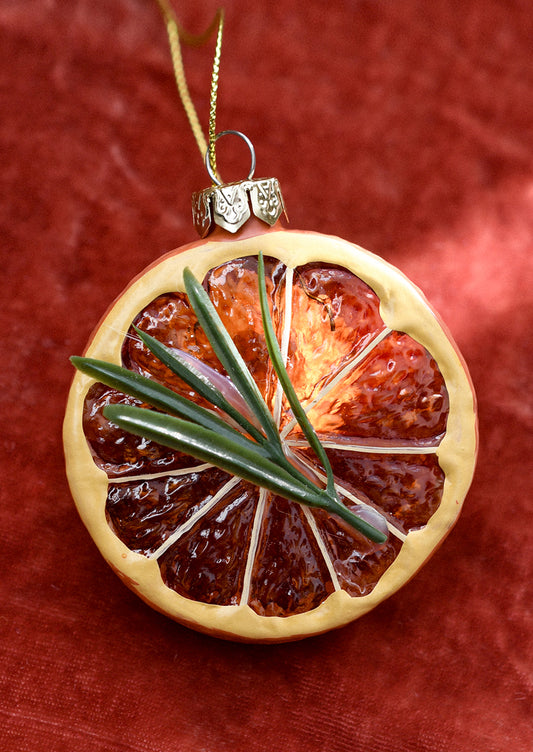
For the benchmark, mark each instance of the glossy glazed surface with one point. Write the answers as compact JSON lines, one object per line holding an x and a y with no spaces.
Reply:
{"x":379,"y":405}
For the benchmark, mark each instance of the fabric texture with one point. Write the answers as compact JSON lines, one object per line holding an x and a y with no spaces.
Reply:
{"x":405,"y":126}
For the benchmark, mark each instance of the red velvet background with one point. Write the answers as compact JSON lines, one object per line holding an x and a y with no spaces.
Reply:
{"x":403,"y":125}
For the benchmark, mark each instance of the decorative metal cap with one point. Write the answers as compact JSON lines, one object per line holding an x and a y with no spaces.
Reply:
{"x":230,"y":205}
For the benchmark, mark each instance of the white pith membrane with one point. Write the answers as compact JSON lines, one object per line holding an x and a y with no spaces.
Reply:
{"x":141,"y":571}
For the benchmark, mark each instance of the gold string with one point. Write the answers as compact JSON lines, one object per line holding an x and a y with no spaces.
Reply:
{"x":213,"y":94}
{"x":175,"y":34}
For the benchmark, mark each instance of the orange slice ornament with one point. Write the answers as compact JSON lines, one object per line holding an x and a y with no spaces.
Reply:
{"x":198,"y":536}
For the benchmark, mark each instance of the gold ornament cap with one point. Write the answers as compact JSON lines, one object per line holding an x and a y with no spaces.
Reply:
{"x":230,"y":205}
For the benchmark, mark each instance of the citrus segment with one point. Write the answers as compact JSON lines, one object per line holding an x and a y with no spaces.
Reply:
{"x":290,"y":575}
{"x":232,"y":288}
{"x":144,"y":513}
{"x":406,"y":488}
{"x":119,"y":454}
{"x":396,"y":393}
{"x":392,"y":404}
{"x":207,"y":563}
{"x":341,"y":312}
{"x":170,"y":319}
{"x":358,"y":564}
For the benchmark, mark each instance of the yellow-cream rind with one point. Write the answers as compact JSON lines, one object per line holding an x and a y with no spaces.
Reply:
{"x":403,"y":308}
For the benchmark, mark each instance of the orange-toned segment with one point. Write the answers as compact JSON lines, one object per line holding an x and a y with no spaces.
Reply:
{"x":335,"y":315}
{"x":387,"y":402}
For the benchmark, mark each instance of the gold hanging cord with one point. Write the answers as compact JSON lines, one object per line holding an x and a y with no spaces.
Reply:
{"x":228,"y":206}
{"x":175,"y":34}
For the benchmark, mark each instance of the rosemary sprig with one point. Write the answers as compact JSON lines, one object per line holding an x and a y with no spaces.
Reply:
{"x":207,"y":445}
{"x":228,"y":354}
{"x":253,"y":454}
{"x":149,"y":391}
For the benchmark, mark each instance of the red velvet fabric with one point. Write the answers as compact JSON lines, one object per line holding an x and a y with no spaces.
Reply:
{"x":403,"y":125}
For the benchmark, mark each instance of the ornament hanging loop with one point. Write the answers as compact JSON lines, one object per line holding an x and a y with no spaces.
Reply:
{"x":208,"y":162}
{"x":230,"y":205}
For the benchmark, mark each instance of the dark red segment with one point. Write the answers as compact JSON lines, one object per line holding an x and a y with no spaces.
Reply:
{"x":119,"y":453}
{"x":143,"y":514}
{"x":170,"y":319}
{"x":290,"y":575}
{"x":397,"y":393}
{"x":358,"y":563}
{"x":406,"y":488}
{"x":208,"y":563}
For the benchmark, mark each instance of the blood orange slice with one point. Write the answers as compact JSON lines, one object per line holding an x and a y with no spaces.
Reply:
{"x":384,"y":387}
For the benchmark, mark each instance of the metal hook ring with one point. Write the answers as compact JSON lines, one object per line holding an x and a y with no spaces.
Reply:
{"x":209,"y":167}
